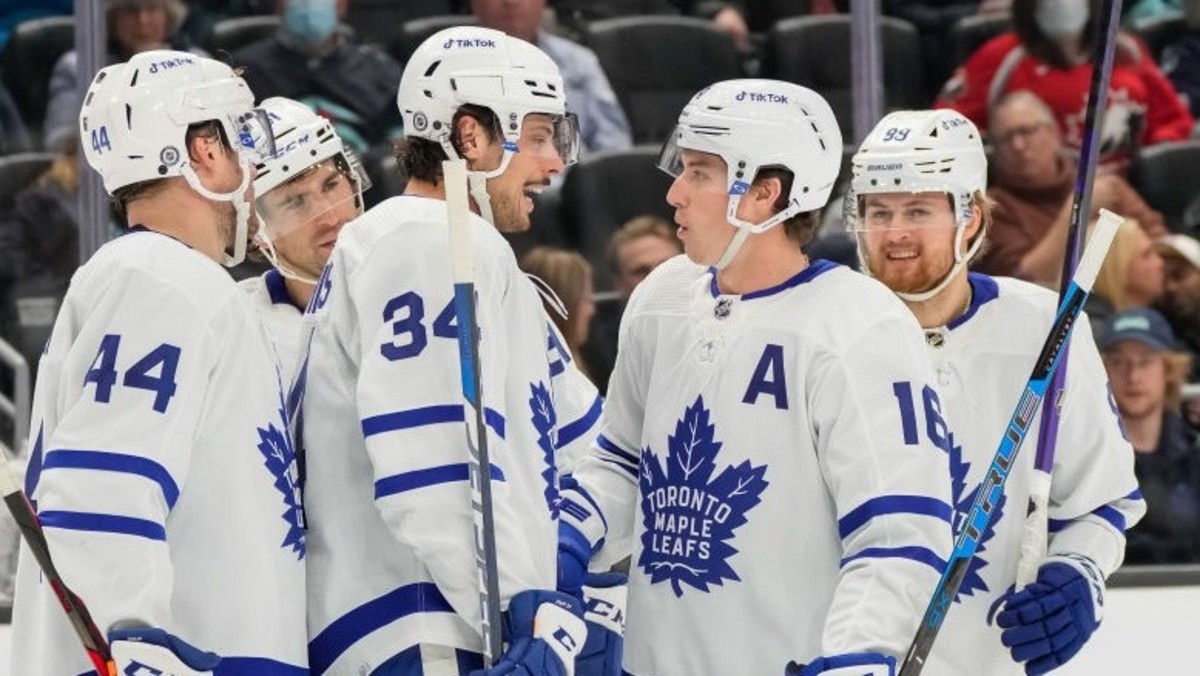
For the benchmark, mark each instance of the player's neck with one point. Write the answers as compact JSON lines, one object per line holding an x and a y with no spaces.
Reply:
{"x":950,"y":304}
{"x":1144,"y":431}
{"x":418,"y":188}
{"x":300,"y":292}
{"x":181,"y":213}
{"x":766,"y":260}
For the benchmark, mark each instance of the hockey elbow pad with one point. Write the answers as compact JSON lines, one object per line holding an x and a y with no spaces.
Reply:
{"x":153,"y":651}
{"x":581,"y":531}
{"x":848,"y":664}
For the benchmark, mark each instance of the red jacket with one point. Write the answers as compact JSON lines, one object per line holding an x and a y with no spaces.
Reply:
{"x":1143,"y":107}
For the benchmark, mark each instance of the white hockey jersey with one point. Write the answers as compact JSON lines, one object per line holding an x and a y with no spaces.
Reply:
{"x":269,"y":297}
{"x":162,"y":468}
{"x":752,"y":452}
{"x":983,"y":361}
{"x":392,"y":551}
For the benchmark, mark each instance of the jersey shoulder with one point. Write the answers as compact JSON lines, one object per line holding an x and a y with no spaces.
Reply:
{"x":1023,"y":299}
{"x":668,"y":288}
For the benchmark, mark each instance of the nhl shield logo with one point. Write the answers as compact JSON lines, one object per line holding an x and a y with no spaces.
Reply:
{"x":690,"y":510}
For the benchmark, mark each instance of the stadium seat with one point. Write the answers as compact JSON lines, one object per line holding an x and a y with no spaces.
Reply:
{"x":814,"y":51}
{"x":29,"y":57}
{"x":656,"y":64}
{"x":972,"y":31}
{"x":413,"y":33}
{"x":387,"y":178}
{"x":19,"y":171}
{"x":1165,"y":176}
{"x":1159,"y":31}
{"x":376,"y":21}
{"x":590,"y":213}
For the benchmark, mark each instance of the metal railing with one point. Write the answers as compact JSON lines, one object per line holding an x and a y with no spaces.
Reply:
{"x":17,"y":408}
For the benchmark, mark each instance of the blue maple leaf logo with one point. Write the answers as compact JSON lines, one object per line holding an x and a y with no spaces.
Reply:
{"x":280,"y":459}
{"x":545,"y":421}
{"x":963,"y":501}
{"x":689,"y":516}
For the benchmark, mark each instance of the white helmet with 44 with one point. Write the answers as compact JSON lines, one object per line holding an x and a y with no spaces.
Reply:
{"x":919,"y":151}
{"x":135,"y":119}
{"x":304,"y":143}
{"x":468,"y":65}
{"x":759,"y":124}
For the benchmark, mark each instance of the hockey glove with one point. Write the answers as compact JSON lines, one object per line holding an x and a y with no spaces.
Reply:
{"x":154,"y":651}
{"x":581,"y":530}
{"x":848,"y":664}
{"x":545,"y":633}
{"x":1048,"y":621}
{"x":604,"y":612}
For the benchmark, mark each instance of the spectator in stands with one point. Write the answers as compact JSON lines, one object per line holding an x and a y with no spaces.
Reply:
{"x":311,"y":61}
{"x":1131,"y":276}
{"x":14,"y":137}
{"x":934,"y":20}
{"x":1032,"y":187}
{"x":634,"y":250}
{"x":1180,"y":302}
{"x":569,"y":276}
{"x":1049,"y":52}
{"x":134,"y":26}
{"x":602,"y":123}
{"x":1147,"y":372}
{"x":1181,"y":58}
{"x":16,"y":11}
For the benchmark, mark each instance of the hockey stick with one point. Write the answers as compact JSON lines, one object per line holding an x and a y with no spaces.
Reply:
{"x":1035,"y":535}
{"x":26,"y":517}
{"x":992,"y":488}
{"x":454,"y":173}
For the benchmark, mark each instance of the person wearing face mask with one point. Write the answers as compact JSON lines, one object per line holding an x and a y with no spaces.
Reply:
{"x":311,"y":61}
{"x":1049,"y":53}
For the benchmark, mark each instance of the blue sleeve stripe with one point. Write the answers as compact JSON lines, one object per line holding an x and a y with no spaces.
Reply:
{"x":1110,"y":514}
{"x":428,"y":415}
{"x":106,"y":461}
{"x":604,"y":443}
{"x":892,"y":504}
{"x":573,"y":430}
{"x":918,"y":554}
{"x":344,"y":632}
{"x":628,"y":470}
{"x":557,"y":367}
{"x":407,"y":481}
{"x":103,"y":523}
{"x":256,"y":666}
{"x":1135,"y":495}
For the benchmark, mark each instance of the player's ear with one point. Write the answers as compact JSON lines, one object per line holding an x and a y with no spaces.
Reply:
{"x":471,"y":139}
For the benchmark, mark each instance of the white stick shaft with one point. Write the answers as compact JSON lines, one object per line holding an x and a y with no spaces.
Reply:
{"x":1093,"y":256}
{"x":1036,"y":532}
{"x":8,"y":480}
{"x":458,"y":208}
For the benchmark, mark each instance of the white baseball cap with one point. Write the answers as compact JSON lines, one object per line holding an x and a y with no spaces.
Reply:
{"x":1180,"y":246}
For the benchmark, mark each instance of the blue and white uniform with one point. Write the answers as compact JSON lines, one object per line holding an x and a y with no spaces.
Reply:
{"x":754,"y":458}
{"x":388,"y":498}
{"x":280,"y":317}
{"x":983,"y":360}
{"x":162,"y":468}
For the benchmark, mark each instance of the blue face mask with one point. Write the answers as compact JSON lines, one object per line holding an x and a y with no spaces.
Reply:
{"x":311,"y":20}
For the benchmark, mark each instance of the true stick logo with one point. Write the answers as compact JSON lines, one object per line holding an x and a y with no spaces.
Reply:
{"x":689,"y":514}
{"x":280,"y":459}
{"x":963,"y":500}
{"x":545,"y":421}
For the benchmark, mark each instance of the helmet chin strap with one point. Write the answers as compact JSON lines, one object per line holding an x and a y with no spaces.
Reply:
{"x":267,"y":247}
{"x":241,"y":207}
{"x":477,"y":180}
{"x":960,"y":262}
{"x":746,"y":228}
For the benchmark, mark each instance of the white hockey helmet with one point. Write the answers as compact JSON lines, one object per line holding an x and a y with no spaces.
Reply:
{"x":483,"y":67}
{"x":135,"y":118}
{"x":303,"y":140}
{"x":921,"y":151}
{"x":758,"y":124}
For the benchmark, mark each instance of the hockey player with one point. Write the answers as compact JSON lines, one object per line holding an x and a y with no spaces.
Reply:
{"x":753,"y":452}
{"x":162,"y":470}
{"x":303,"y":196}
{"x":393,"y":583}
{"x":920,"y":214}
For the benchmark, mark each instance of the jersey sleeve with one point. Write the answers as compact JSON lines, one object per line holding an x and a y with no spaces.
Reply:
{"x":968,"y":89}
{"x":608,"y":473}
{"x":1094,"y":496}
{"x":127,"y":379}
{"x":576,"y":401}
{"x":870,"y":403}
{"x":410,"y":404}
{"x":1167,"y":115}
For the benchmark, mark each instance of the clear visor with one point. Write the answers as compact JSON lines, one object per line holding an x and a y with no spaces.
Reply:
{"x":315,"y":202}
{"x":255,"y":140}
{"x":900,"y":210}
{"x":670,"y":158}
{"x":546,"y":136}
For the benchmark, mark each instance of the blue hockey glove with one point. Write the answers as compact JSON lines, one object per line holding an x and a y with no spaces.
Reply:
{"x":154,"y":651}
{"x":1048,"y":621}
{"x":848,"y":664}
{"x":581,"y":530}
{"x":604,"y":612}
{"x":545,"y":634}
